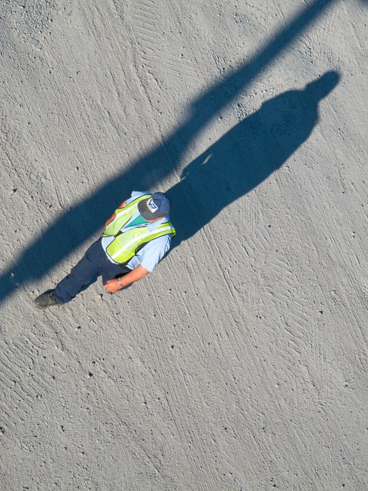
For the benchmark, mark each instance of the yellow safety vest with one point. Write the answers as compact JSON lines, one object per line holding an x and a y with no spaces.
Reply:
{"x":126,"y":244}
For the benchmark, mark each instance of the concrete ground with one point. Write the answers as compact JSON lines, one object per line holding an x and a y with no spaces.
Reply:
{"x":240,"y":363}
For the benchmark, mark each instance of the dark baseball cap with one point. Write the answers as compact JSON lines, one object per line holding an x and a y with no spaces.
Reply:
{"x":158,"y":205}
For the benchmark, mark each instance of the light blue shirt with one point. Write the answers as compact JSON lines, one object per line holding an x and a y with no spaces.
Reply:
{"x":152,"y":253}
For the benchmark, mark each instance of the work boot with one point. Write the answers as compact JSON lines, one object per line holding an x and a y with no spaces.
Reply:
{"x":46,"y":300}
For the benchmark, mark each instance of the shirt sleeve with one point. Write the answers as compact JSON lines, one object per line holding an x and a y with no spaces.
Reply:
{"x":152,"y":253}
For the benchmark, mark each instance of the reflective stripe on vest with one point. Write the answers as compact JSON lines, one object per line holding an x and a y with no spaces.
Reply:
{"x":126,"y":244}
{"x":123,"y":215}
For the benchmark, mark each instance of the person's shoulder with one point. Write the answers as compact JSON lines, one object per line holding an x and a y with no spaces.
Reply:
{"x":136,"y":194}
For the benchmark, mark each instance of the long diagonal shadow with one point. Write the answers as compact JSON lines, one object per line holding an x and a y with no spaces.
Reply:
{"x":246,"y":155}
{"x":86,"y":218}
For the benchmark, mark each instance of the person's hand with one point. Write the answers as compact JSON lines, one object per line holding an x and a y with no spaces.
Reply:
{"x":112,"y":286}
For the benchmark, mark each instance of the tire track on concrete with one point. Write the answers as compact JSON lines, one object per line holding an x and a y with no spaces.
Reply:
{"x":184,"y":419}
{"x":183,"y":415}
{"x":17,"y":400}
{"x":112,"y":47}
{"x":35,"y":144}
{"x":160,"y":46}
{"x":23,"y":379}
{"x":145,"y":22}
{"x":301,"y":317}
{"x":232,"y":359}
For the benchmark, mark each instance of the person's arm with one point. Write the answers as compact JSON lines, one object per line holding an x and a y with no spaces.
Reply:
{"x":136,"y":274}
{"x":114,"y":215}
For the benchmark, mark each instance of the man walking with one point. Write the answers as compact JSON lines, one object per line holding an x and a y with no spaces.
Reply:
{"x":135,"y":239}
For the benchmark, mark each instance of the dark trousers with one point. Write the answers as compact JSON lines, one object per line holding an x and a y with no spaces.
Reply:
{"x":93,"y":262}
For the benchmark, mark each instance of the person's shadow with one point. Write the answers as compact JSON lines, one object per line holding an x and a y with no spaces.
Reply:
{"x":229,"y":169}
{"x":245,"y":156}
